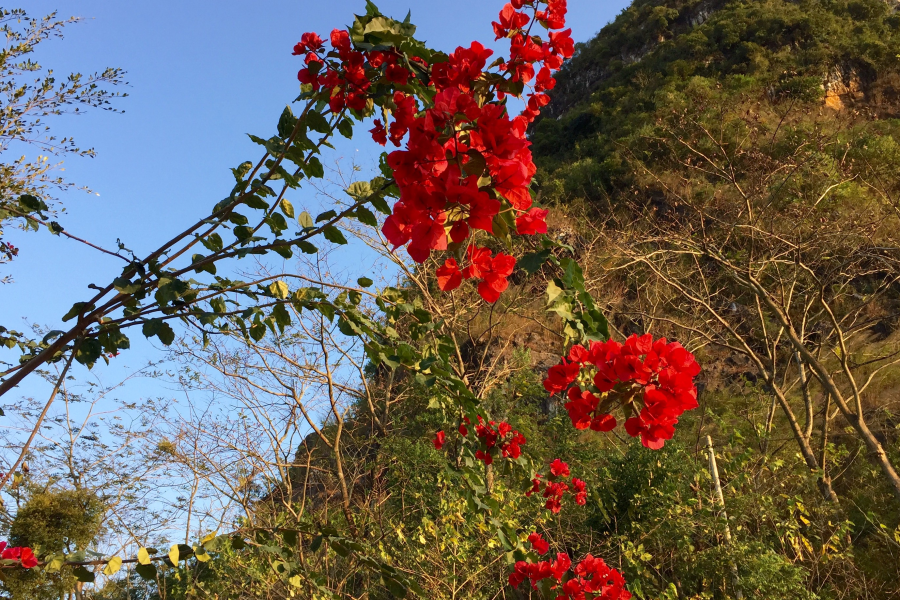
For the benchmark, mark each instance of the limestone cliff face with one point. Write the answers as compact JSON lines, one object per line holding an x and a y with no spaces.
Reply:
{"x":653,"y":38}
{"x":646,"y":24}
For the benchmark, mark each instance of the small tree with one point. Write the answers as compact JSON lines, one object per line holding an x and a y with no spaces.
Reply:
{"x":52,"y":521}
{"x":28,"y":186}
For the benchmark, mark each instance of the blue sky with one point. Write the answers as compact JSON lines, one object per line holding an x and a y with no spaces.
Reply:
{"x":201,"y":74}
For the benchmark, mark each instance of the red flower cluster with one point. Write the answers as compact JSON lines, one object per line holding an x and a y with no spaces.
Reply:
{"x":466,"y":160}
{"x":346,"y":81}
{"x":493,"y":438}
{"x":663,"y":370}
{"x":493,"y":272}
{"x":25,"y":556}
{"x":495,"y":435}
{"x":591,"y":579}
{"x":538,"y":543}
{"x":555,"y":488}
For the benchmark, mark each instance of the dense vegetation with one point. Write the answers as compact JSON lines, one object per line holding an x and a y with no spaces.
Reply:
{"x":725,"y":172}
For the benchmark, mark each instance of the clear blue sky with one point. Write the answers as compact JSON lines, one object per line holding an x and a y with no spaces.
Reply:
{"x":202,"y":74}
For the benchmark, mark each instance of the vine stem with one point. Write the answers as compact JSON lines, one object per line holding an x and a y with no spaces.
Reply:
{"x":40,"y":420}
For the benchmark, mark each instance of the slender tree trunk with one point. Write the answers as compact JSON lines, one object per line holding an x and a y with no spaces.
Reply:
{"x":714,"y":473}
{"x":806,"y":449}
{"x":856,"y":421}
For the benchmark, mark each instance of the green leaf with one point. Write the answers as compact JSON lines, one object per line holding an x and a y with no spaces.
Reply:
{"x":160,"y":329}
{"x":315,"y":544}
{"x":52,"y":336}
{"x":281,"y":316}
{"x":359,"y":190}
{"x":364,"y":282}
{"x":553,"y":292}
{"x":257,"y":203}
{"x":54,"y":563}
{"x":305,"y":220}
{"x":287,"y":208}
{"x":286,"y":123}
{"x":340,"y":548}
{"x":306,"y":247}
{"x":213,"y":243}
{"x":366,"y":216}
{"x":82,"y":574}
{"x":283,"y":251}
{"x":242,"y":232}
{"x":313,"y":168}
{"x":241,"y":170}
{"x":572,"y":274}
{"x":218,"y":305}
{"x":396,"y":588}
{"x":31,"y":203}
{"x":89,"y":351}
{"x":77,"y":309}
{"x":334,"y":235}
{"x":531,"y":263}
{"x":476,"y":164}
{"x":326,"y":216}
{"x":147,"y":572}
{"x":257,"y":331}
{"x":113,"y":566}
{"x":380,"y":204}
{"x":279,"y":289}
{"x":345,"y":127}
{"x":316,"y":122}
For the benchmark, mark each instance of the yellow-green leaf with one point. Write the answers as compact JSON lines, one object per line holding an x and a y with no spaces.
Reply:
{"x":279,"y":289}
{"x":287,"y":208}
{"x":200,"y":554}
{"x":113,"y":566}
{"x":173,"y":554}
{"x":144,"y":556}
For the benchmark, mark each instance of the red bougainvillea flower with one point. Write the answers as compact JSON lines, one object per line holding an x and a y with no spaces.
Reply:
{"x":652,"y":380}
{"x":309,"y":42}
{"x":560,"y":376}
{"x":554,"y":486}
{"x":492,"y":435}
{"x":591,"y":576}
{"x":562,"y":43}
{"x":538,"y":544}
{"x":580,"y":491}
{"x":555,"y":15}
{"x":462,"y":68}
{"x":509,"y":20}
{"x":532,"y":222}
{"x":25,"y":556}
{"x":28,"y":559}
{"x":554,"y":492}
{"x":559,"y":469}
{"x":449,"y":276}
{"x":438,"y":440}
{"x":379,"y":134}
{"x":493,"y":272}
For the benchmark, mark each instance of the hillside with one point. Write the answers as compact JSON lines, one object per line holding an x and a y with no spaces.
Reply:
{"x":729,"y":169}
